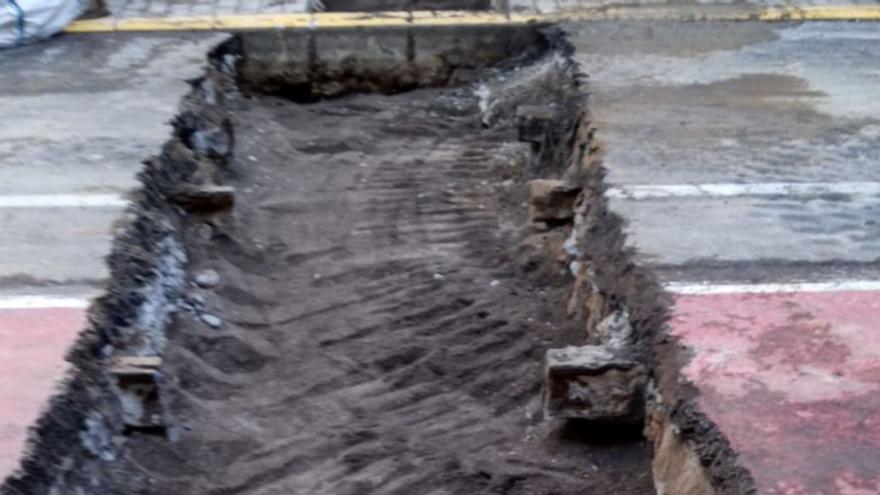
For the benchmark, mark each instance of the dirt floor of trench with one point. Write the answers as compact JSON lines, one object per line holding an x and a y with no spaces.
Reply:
{"x":383,"y":327}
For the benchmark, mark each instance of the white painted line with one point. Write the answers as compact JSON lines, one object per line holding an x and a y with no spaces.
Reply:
{"x":733,"y":190}
{"x":63,"y":201}
{"x":43,"y":302}
{"x":839,"y":286}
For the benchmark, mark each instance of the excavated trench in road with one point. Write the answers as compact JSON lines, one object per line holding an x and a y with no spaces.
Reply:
{"x":331,"y":283}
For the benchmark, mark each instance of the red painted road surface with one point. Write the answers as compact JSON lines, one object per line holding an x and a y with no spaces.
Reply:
{"x":793,"y":381}
{"x":33,"y":343}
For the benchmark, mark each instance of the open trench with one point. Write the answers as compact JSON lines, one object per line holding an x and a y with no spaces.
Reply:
{"x":371,"y":315}
{"x":379,"y":333}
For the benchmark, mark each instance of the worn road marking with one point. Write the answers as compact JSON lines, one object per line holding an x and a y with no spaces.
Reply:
{"x":63,"y":201}
{"x":834,"y":286}
{"x":43,"y":302}
{"x":331,"y":20}
{"x":731,"y":190}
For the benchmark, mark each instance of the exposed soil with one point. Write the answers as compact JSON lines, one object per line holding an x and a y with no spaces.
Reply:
{"x":381,"y":331}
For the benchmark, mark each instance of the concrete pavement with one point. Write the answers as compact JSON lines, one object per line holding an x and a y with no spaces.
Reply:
{"x":80,"y":114}
{"x":744,"y":157}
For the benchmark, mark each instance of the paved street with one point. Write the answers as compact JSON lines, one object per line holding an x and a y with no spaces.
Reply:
{"x":80,"y":114}
{"x":744,"y":157}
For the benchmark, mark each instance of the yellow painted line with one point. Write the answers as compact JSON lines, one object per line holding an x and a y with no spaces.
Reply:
{"x":294,"y":20}
{"x":820,"y":13}
{"x":237,"y":22}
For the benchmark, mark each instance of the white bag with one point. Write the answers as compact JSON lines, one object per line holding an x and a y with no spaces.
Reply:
{"x":23,"y":21}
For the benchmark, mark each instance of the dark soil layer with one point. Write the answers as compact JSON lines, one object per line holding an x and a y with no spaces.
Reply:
{"x":380,"y":333}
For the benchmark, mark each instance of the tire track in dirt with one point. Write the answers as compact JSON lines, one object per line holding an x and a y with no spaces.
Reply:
{"x":379,"y":335}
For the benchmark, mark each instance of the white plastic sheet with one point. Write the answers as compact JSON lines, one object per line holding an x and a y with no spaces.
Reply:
{"x":23,"y":21}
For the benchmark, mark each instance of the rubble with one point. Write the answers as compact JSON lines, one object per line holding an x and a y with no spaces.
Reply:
{"x":552,"y":201}
{"x":207,"y":279}
{"x":593,"y":382}
{"x":136,"y":378}
{"x":204,"y":198}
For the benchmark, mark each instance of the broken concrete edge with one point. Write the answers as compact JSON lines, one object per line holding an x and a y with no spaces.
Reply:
{"x":593,"y":382}
{"x":79,"y":434}
{"x":137,"y":381}
{"x":205,"y":198}
{"x":608,"y":281}
{"x":589,"y":382}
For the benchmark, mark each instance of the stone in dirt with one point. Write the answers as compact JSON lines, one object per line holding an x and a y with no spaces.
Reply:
{"x":205,"y":198}
{"x":196,"y":300}
{"x":552,"y":201}
{"x":615,"y":330}
{"x":213,"y":142}
{"x":207,"y":279}
{"x":211,"y":320}
{"x":135,"y":364}
{"x":592,"y":382}
{"x":136,"y":384}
